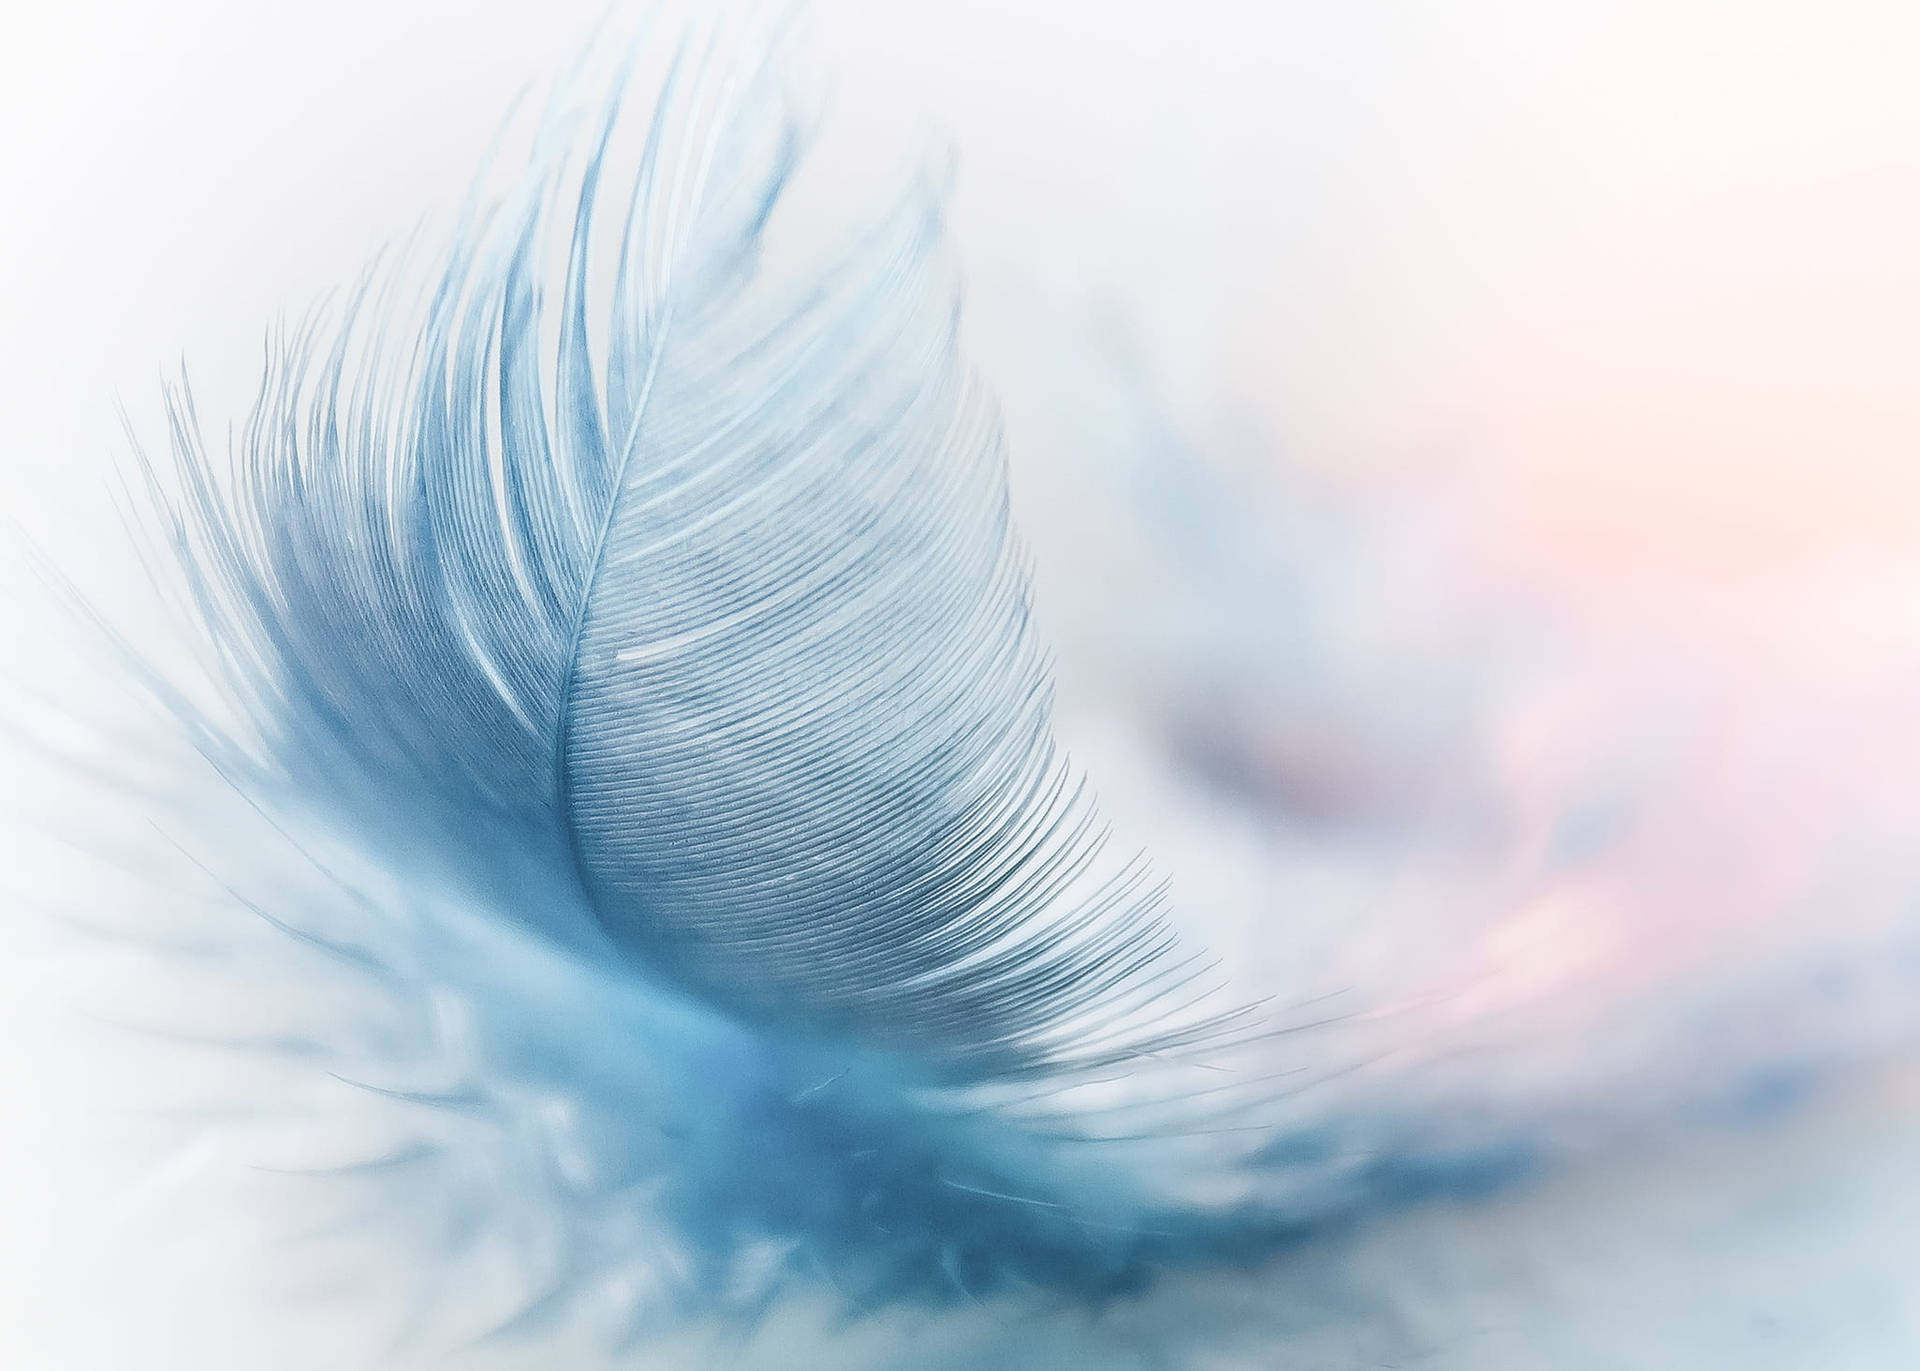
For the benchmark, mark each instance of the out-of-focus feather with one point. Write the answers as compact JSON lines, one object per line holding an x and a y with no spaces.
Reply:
{"x":1589,"y":869}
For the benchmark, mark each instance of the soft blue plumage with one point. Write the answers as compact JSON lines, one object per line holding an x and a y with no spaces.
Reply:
{"x":662,"y":695}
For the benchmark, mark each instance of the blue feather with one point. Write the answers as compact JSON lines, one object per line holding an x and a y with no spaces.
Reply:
{"x":723,"y":645}
{"x":664,"y":700}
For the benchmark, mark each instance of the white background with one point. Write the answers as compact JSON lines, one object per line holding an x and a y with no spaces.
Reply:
{"x":1652,"y":265}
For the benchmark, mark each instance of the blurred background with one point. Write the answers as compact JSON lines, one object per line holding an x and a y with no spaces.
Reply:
{"x":1471,"y":456}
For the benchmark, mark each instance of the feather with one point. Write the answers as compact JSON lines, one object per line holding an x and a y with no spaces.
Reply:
{"x":726,"y":642}
{"x":644,"y":701}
